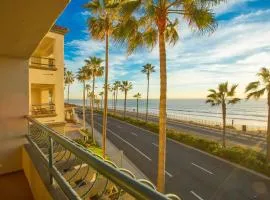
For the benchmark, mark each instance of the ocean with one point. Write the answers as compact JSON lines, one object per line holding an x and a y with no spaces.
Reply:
{"x":251,"y":113}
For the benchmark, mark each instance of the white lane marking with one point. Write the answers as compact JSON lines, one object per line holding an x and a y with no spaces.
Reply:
{"x":196,"y":195}
{"x":202,"y":168}
{"x":135,"y":148}
{"x":134,"y":134}
{"x":169,"y":174}
{"x":155,"y":144}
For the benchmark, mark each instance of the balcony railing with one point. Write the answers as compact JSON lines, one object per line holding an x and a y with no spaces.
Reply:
{"x":42,"y":63}
{"x":43,"y":109}
{"x":82,"y":174}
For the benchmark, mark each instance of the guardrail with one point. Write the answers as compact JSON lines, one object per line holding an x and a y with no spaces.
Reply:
{"x":82,"y":174}
{"x":43,"y":109}
{"x":42,"y":62}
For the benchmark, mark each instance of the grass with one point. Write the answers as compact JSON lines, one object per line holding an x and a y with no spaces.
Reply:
{"x":245,"y":157}
{"x":89,"y":144}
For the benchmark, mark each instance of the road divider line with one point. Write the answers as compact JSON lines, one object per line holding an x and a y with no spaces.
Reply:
{"x":209,"y":172}
{"x":135,"y":148}
{"x":169,"y":174}
{"x":196,"y":195}
{"x":134,"y":134}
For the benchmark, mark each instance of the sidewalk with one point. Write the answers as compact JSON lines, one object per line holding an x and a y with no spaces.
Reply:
{"x":116,"y":155}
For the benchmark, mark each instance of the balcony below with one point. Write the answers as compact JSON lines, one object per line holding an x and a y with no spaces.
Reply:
{"x":43,"y":110}
{"x":42,"y":63}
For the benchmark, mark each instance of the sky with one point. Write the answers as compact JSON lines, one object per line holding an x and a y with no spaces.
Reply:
{"x":234,"y":52}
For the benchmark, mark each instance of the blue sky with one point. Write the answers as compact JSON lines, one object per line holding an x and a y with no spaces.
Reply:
{"x":234,"y":52}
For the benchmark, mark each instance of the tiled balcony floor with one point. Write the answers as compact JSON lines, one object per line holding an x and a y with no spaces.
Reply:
{"x":14,"y":186}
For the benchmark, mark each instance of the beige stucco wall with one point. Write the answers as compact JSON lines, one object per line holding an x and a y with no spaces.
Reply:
{"x":36,"y":184}
{"x":54,"y":78}
{"x":13,"y":108}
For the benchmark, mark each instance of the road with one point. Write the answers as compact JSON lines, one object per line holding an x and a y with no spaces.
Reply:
{"x":190,"y":173}
{"x":256,"y":143}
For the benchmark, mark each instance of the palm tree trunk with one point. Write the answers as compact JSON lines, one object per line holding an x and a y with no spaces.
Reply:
{"x":104,"y":127}
{"x":116,"y":94}
{"x":137,"y":108}
{"x":268,"y":132}
{"x":101,"y":107}
{"x":92,"y":108}
{"x":84,"y":105}
{"x":162,"y":113}
{"x":224,"y":124}
{"x":147,"y":98}
{"x":68,"y":93}
{"x":125,"y":105}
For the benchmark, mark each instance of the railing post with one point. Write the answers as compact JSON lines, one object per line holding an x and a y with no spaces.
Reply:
{"x":28,"y":127}
{"x":50,"y":158}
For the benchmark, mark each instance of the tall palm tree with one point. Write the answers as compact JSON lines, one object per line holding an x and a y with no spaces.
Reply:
{"x":116,"y":86}
{"x":223,"y":96}
{"x":156,"y":23}
{"x":88,"y":91}
{"x":97,"y":102}
{"x":112,"y":90}
{"x":125,"y":87}
{"x":69,"y":79}
{"x":147,"y":69}
{"x":96,"y":70}
{"x":256,"y":90}
{"x":137,"y":96}
{"x":101,"y":94}
{"x":101,"y":25}
{"x":82,"y":76}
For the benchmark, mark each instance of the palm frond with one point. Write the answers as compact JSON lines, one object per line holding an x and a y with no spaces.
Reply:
{"x":127,"y":7}
{"x":231,"y":92}
{"x":256,"y":94}
{"x":171,"y":33}
{"x":234,"y":101}
{"x":97,"y":27}
{"x":252,"y":86}
{"x":264,"y":74}
{"x":199,"y":17}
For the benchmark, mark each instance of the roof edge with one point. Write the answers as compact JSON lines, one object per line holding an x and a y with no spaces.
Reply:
{"x":59,"y":29}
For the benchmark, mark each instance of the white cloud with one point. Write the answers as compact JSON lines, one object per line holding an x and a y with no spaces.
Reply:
{"x":235,"y":52}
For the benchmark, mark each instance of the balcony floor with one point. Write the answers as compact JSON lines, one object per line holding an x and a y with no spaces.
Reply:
{"x":15,"y":186}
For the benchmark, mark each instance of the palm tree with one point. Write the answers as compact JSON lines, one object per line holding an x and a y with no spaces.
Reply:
{"x":96,"y":70}
{"x":156,"y":23}
{"x":223,"y":96}
{"x":116,"y":86}
{"x":101,"y":94}
{"x":69,"y":79}
{"x":125,"y":87}
{"x":101,"y":25}
{"x":137,"y":96}
{"x":256,"y":90}
{"x":82,"y":76}
{"x":97,"y":102}
{"x":147,"y":69}
{"x":112,"y":90}
{"x":88,"y":90}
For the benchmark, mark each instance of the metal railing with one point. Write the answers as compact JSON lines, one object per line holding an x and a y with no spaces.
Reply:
{"x":82,"y":174}
{"x":42,"y":62}
{"x":43,"y":109}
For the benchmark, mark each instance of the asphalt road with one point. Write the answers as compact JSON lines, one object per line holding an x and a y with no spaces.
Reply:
{"x":191,"y":174}
{"x":257,"y":143}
